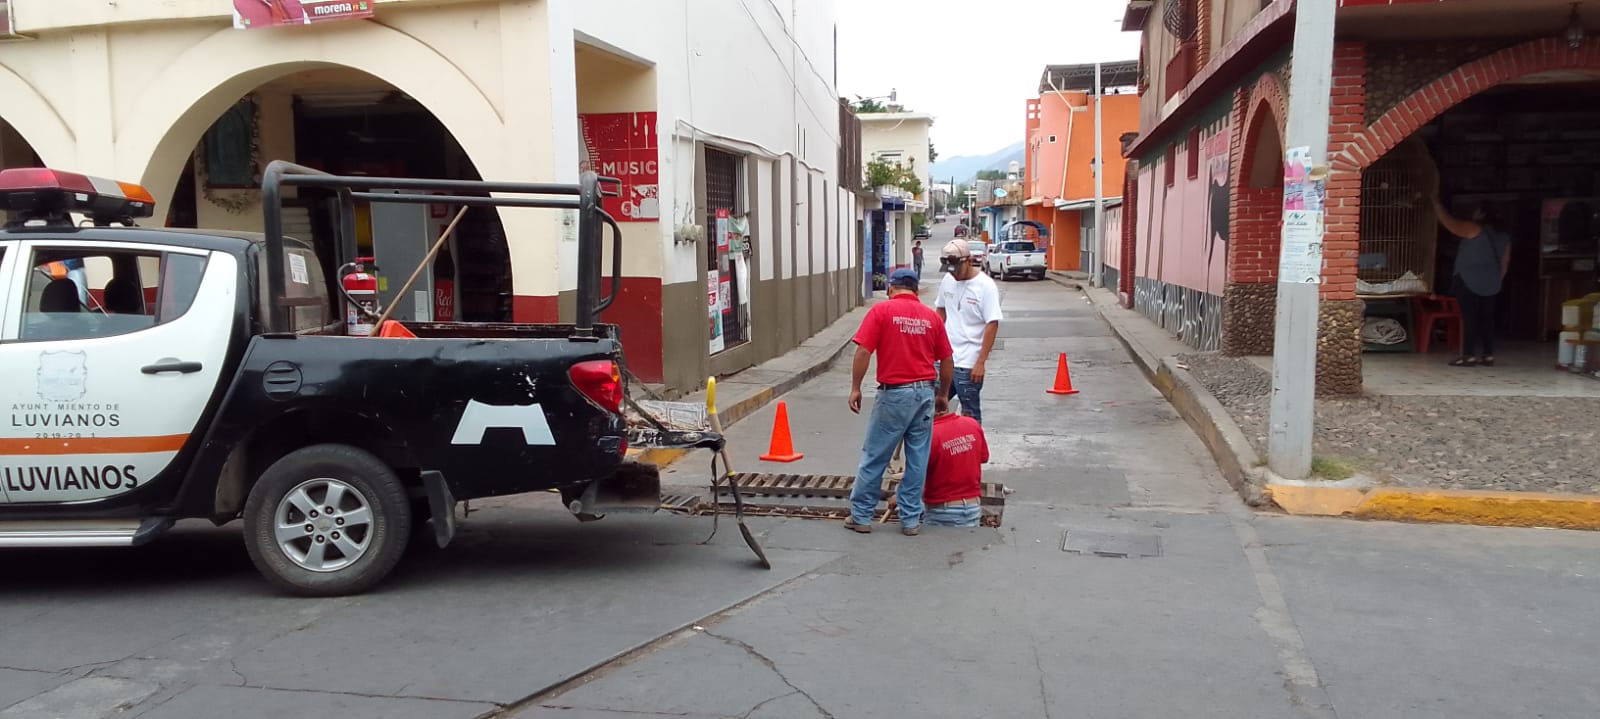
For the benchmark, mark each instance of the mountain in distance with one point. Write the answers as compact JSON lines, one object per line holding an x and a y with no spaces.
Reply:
{"x":965,"y":167}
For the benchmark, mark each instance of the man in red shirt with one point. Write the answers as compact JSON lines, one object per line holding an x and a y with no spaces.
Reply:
{"x":908,"y":339}
{"x":955,"y":471}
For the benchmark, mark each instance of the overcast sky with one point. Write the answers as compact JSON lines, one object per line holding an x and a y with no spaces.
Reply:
{"x":972,"y":63}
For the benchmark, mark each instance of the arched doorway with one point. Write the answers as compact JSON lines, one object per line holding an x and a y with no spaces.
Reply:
{"x":15,"y":151}
{"x":1250,"y":299}
{"x":348,"y":122}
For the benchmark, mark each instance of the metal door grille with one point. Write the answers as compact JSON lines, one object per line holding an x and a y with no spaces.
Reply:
{"x":1398,"y":229}
{"x":722,"y":193}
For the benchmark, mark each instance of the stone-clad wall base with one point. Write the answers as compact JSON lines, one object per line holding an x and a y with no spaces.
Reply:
{"x":1339,"y":348}
{"x":1248,"y":317}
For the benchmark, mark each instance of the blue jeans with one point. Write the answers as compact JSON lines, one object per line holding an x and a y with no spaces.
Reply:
{"x":905,"y":413}
{"x":966,"y":390}
{"x":957,"y":516}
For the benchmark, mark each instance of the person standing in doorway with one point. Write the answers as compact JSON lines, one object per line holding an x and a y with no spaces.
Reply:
{"x":916,"y":257}
{"x":969,"y":305}
{"x":913,"y":357}
{"x":1482,"y":258}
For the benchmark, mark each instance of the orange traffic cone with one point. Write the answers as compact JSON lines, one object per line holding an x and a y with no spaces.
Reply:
{"x":1063,"y":378}
{"x":782,"y":447}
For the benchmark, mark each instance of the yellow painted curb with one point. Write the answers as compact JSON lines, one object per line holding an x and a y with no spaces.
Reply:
{"x":1316,"y":501}
{"x":1503,"y":509}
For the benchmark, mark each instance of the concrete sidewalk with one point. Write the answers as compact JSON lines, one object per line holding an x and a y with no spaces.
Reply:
{"x":1157,"y":353}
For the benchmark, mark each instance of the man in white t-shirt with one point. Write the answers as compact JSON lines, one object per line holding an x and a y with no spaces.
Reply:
{"x":969,"y":304}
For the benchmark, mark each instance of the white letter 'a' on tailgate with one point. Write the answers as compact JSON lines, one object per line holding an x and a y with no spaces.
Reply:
{"x":480,"y":417}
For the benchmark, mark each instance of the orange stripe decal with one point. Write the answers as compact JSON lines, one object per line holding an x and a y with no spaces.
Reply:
{"x":93,"y":445}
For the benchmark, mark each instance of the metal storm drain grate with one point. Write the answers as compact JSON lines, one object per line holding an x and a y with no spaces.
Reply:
{"x":1111,"y":544}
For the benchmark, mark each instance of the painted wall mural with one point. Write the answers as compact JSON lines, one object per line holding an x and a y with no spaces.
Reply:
{"x":1218,"y":195}
{"x":1181,"y":251}
{"x":1195,"y":317}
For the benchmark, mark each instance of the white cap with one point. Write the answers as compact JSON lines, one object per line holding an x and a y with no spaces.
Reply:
{"x":955,"y":248}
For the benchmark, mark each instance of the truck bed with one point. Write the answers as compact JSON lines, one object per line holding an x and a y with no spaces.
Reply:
{"x":500,"y":330}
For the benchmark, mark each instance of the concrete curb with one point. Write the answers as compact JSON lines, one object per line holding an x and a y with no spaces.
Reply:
{"x":1401,"y":504}
{"x":1228,"y":445}
{"x":1069,"y":281}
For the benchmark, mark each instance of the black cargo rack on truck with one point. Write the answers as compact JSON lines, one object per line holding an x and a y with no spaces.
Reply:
{"x":585,"y":197}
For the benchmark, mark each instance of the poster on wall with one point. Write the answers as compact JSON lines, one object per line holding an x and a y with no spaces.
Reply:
{"x":714,"y":310}
{"x":1301,"y":261}
{"x":250,"y":14}
{"x":623,"y":145}
{"x":722,"y":229}
{"x":1303,"y":189}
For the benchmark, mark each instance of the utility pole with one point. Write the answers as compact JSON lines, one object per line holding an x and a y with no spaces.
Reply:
{"x":1097,"y":266}
{"x":1294,"y":357}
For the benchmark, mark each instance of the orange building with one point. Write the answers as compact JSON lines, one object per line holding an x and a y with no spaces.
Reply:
{"x":1059,"y":170}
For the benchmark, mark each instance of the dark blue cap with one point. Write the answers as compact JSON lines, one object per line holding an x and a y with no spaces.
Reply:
{"x":904,"y":278}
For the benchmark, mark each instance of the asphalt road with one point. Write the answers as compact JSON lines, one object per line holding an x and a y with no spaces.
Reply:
{"x":532,"y":615}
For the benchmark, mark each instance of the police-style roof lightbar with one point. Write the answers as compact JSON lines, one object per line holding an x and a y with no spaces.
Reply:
{"x":52,"y":196}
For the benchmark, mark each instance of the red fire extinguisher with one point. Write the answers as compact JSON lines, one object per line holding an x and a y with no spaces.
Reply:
{"x":361,"y":296}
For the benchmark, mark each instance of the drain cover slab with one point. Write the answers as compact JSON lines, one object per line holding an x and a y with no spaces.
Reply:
{"x":1111,"y":544}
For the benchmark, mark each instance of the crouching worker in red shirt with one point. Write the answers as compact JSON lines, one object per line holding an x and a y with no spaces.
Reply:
{"x":955,"y":472}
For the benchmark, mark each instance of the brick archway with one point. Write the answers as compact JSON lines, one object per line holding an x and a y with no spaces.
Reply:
{"x":1267,"y":95}
{"x":1254,"y":217}
{"x":1453,"y":87}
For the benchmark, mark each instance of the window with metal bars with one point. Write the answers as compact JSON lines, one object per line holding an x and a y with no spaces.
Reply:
{"x":728,"y":257}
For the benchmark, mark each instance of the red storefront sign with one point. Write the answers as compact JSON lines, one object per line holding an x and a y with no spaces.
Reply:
{"x":249,"y":14}
{"x":623,"y":145}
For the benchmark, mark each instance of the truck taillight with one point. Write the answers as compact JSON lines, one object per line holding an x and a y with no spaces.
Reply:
{"x":601,"y":382}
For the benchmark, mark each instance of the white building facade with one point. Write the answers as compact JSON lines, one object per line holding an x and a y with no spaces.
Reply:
{"x":899,"y":138}
{"x":721,"y":116}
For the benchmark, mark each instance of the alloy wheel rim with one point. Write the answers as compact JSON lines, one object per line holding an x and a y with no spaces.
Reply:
{"x":323,"y":525}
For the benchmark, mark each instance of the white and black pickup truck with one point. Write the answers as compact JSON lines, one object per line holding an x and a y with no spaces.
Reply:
{"x":150,"y":375}
{"x":1016,"y":258}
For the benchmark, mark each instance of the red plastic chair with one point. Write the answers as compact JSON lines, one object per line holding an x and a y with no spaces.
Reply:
{"x":1430,"y":311}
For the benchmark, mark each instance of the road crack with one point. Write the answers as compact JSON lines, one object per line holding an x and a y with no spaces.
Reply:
{"x":765,"y":702}
{"x":1044,"y":695}
{"x":233,"y":666}
{"x":773,"y":666}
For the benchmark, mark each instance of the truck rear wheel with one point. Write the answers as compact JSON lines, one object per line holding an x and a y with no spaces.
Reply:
{"x":327,"y":520}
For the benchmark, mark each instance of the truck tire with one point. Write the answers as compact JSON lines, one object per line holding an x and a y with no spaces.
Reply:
{"x":301,"y":546}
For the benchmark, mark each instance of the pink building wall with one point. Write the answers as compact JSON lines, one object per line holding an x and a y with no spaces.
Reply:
{"x":1181,"y":244}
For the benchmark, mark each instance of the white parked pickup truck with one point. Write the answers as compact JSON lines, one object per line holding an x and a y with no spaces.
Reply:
{"x":1015,"y":258}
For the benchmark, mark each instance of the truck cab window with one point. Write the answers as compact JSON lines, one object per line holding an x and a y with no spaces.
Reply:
{"x":88,"y":293}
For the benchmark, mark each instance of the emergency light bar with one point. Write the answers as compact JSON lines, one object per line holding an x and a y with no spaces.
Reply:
{"x":36,"y":193}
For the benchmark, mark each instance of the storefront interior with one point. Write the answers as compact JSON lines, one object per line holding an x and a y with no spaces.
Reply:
{"x":348,"y":123}
{"x":1529,"y":151}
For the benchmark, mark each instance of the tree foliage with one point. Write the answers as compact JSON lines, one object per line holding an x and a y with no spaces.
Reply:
{"x":888,"y":174}
{"x":867,"y":105}
{"x":991,"y":174}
